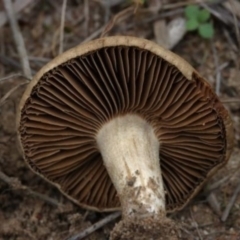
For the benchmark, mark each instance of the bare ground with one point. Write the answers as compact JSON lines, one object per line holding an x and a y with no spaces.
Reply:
{"x":26,"y":215}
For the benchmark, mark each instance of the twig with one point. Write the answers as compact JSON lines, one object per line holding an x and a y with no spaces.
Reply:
{"x":230,"y":204}
{"x":217,"y":69}
{"x":223,"y":66}
{"x":236,"y":26}
{"x":96,"y":226}
{"x":39,"y":59}
{"x":129,"y":26}
{"x":94,"y":34}
{"x":107,"y":11}
{"x":230,"y":100}
{"x":235,"y":23}
{"x":218,"y":73}
{"x":14,"y":75}
{"x":117,"y":18}
{"x":217,"y":184}
{"x":186,"y":231}
{"x":16,"y":184}
{"x":234,"y":52}
{"x":195,"y":224}
{"x":18,"y":38}
{"x":230,"y":41}
{"x":86,"y":16}
{"x":153,"y":18}
{"x":17,"y":7}
{"x":183,"y":4}
{"x":10,"y":62}
{"x":214,"y":204}
{"x":64,"y":5}
{"x":105,"y":28}
{"x":222,"y":182}
{"x":189,"y":227}
{"x":214,"y":12}
{"x":219,"y":233}
{"x":6,"y":96}
{"x":221,"y":14}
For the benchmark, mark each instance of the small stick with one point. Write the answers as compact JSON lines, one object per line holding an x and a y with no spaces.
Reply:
{"x":117,"y":18}
{"x":223,"y":66}
{"x":10,"y":62}
{"x":64,"y":5}
{"x":214,"y":204}
{"x":14,"y":75}
{"x":96,"y":226}
{"x":218,"y":70}
{"x":12,"y":90}
{"x":39,"y":59}
{"x":18,"y":6}
{"x":18,"y":38}
{"x":86,"y":16}
{"x":129,"y":26}
{"x":217,"y":184}
{"x":233,"y":48}
{"x":230,"y":41}
{"x":148,"y":20}
{"x":16,"y":184}
{"x":230,"y":204}
{"x":235,"y":23}
{"x":213,"y":12}
{"x":94,"y":34}
{"x":107,"y":11}
{"x":230,"y":100}
{"x":183,"y":4}
{"x":195,"y":225}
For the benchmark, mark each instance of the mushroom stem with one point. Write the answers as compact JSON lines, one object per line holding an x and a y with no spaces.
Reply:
{"x":130,"y":151}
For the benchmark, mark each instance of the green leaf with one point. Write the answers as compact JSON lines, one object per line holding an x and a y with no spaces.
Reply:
{"x":191,"y":12}
{"x":206,"y":30}
{"x":192,"y":24}
{"x":203,"y":15}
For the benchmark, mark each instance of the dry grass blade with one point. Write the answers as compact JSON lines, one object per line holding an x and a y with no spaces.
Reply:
{"x":64,"y":5}
{"x":215,"y":13}
{"x":213,"y":202}
{"x":230,"y":100}
{"x":217,"y":184}
{"x":18,"y":38}
{"x":195,"y":225}
{"x":232,"y":5}
{"x":17,"y":185}
{"x":7,"y":61}
{"x":118,"y":18}
{"x":230,"y":203}
{"x":96,"y":226}
{"x":183,"y":4}
{"x":236,"y":27}
{"x":94,"y":34}
{"x":12,"y":76}
{"x":6,"y":96}
{"x":218,"y":72}
{"x":17,"y":7}
{"x":86,"y":16}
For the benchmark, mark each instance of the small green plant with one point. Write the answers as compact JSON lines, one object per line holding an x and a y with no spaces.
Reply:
{"x":199,"y":19}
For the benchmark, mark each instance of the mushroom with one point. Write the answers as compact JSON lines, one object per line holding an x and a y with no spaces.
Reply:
{"x":122,"y":123}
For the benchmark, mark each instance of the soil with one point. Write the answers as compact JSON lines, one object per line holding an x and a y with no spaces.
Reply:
{"x":23,"y":214}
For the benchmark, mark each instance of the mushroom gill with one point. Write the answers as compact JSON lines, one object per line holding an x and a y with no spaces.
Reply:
{"x":70,"y":103}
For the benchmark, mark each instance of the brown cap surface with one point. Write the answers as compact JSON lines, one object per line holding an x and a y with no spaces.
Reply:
{"x":71,"y":97}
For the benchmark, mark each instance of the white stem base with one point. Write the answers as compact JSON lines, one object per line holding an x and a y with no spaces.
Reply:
{"x":130,"y":151}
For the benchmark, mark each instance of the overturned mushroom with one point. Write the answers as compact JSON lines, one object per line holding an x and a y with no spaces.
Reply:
{"x":121,"y":123}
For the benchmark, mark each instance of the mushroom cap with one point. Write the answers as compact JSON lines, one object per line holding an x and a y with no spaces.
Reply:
{"x":71,"y":97}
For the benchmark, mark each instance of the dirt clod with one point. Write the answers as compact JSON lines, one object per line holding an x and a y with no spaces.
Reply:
{"x":157,"y":228}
